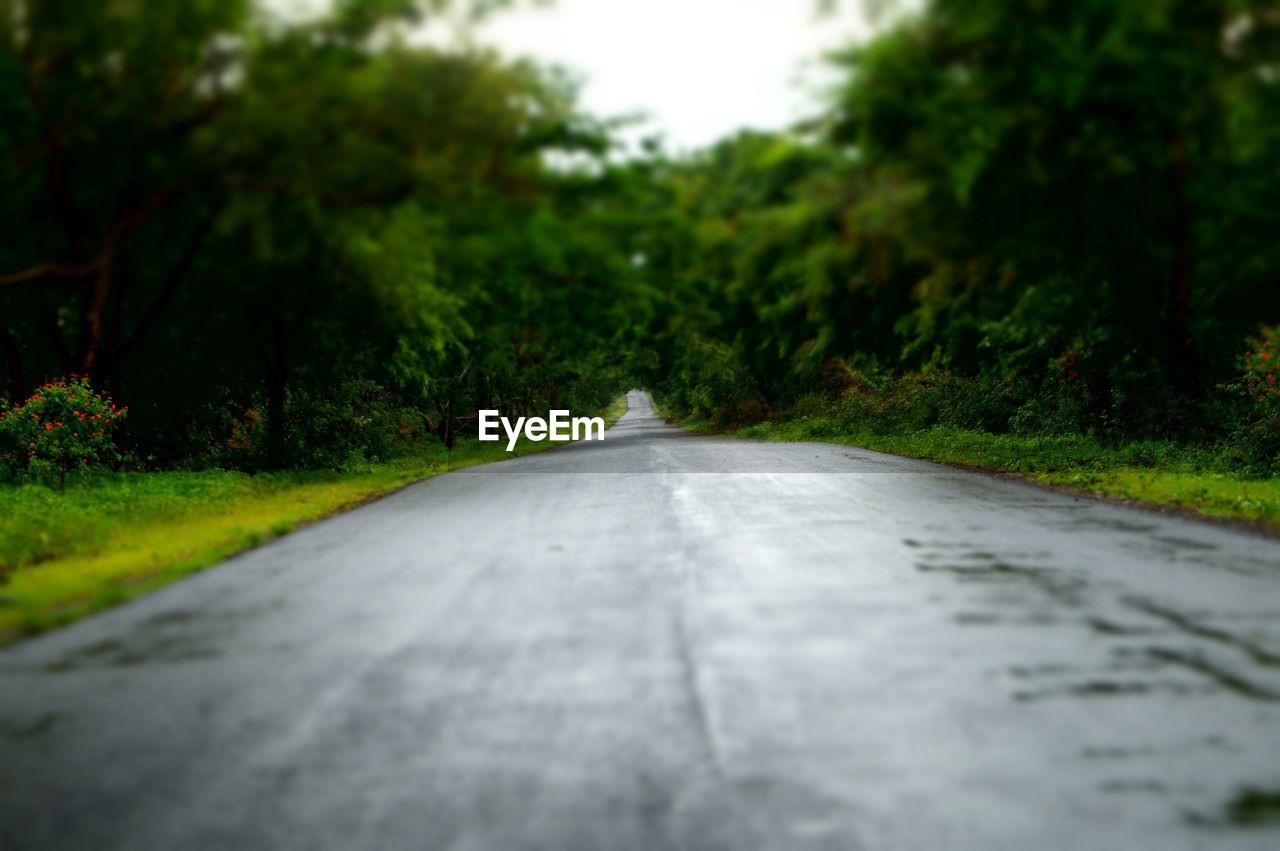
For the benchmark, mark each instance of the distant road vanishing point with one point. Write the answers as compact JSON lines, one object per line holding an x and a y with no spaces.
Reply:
{"x":673,"y":641}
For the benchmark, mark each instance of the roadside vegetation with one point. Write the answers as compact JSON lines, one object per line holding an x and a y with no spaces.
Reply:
{"x":99,"y":540}
{"x":67,"y":553}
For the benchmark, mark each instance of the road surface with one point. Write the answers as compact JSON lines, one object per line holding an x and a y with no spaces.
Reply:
{"x":668,"y":640}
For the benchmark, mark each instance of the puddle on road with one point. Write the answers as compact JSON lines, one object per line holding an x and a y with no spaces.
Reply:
{"x":1225,"y":678}
{"x":1004,"y":581}
{"x":1217,"y":745}
{"x":1185,"y":543}
{"x":1103,"y":626}
{"x":1110,"y":688}
{"x":37,"y":728}
{"x":175,"y":636}
{"x":1132,"y":652}
{"x":1192,"y":626}
{"x":1154,"y":787}
{"x":1113,"y":524}
{"x":981,"y":568}
{"x":993,"y":619}
{"x":1046,"y":670}
{"x":136,"y":650}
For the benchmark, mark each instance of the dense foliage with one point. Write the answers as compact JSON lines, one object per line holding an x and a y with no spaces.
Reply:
{"x":1029,"y":216}
{"x":295,"y":244}
{"x":320,"y":243}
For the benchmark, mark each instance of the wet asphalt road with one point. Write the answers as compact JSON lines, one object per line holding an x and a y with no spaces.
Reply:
{"x":671,"y":641}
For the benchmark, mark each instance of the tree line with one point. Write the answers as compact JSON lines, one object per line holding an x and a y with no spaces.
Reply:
{"x":283,"y":243}
{"x":301,"y":243}
{"x":1016,"y":215}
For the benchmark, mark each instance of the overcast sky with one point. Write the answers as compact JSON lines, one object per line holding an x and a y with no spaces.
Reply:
{"x":700,"y":68}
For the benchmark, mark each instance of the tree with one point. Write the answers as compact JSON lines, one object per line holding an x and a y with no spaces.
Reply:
{"x":284,"y":208}
{"x":1074,"y":141}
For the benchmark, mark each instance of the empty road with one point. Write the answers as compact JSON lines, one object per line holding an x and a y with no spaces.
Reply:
{"x":672,"y":641}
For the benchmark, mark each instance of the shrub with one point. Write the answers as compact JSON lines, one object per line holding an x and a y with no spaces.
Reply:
{"x":228,"y":436}
{"x":65,"y":427}
{"x":920,"y":400}
{"x":342,"y":427}
{"x":351,"y":425}
{"x":712,"y":383}
{"x":1257,"y":440}
{"x":1261,"y":365}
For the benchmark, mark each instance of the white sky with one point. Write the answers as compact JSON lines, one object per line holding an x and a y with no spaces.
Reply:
{"x":700,"y":69}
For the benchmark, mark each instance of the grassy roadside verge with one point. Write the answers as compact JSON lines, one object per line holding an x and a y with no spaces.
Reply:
{"x":104,"y":541}
{"x":1155,"y":473}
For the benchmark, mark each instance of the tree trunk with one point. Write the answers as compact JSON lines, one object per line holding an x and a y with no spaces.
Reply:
{"x":94,"y":320}
{"x":483,"y":391}
{"x":169,"y":287}
{"x":13,"y":357}
{"x":277,"y":376}
{"x":1180,"y":278}
{"x":446,"y":431}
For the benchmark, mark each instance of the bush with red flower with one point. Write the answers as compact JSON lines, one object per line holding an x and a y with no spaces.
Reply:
{"x":65,"y":427}
{"x":1257,"y":442}
{"x":1261,"y":365}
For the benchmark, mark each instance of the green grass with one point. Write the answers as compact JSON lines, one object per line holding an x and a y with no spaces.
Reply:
{"x":615,"y":411}
{"x":69,"y":553}
{"x":1160,"y":473}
